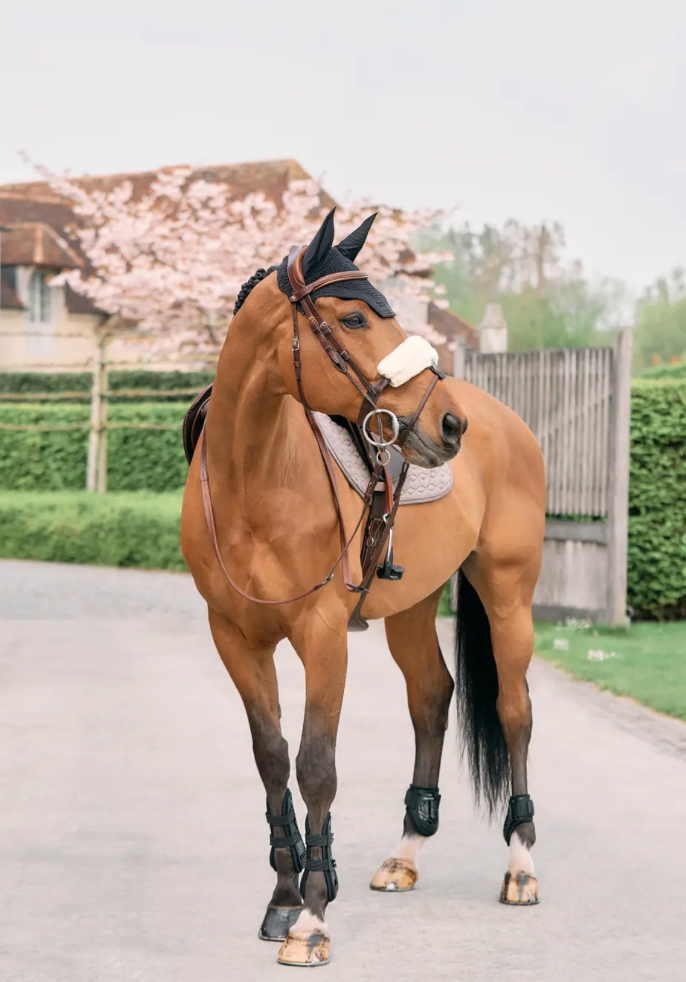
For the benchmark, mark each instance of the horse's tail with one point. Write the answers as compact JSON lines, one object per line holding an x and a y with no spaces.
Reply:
{"x":476,"y":691}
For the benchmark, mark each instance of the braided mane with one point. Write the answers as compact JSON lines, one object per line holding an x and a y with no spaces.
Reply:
{"x":249,"y":285}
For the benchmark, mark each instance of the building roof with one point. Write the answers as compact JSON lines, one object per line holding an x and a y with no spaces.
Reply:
{"x":36,"y":201}
{"x":38,"y":244}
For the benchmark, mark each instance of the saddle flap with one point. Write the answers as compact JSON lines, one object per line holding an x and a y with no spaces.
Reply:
{"x":194,"y":421}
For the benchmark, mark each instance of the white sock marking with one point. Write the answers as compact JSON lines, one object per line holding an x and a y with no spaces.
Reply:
{"x":520,"y":856}
{"x":309,"y":922}
{"x":409,"y":848}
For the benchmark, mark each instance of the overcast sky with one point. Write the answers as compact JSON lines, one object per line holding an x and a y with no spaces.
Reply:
{"x":531,"y":109}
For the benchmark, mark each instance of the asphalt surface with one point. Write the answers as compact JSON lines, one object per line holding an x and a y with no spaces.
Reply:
{"x":133,"y":844}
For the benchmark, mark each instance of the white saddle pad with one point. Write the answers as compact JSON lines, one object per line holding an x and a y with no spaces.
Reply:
{"x":421,"y":484}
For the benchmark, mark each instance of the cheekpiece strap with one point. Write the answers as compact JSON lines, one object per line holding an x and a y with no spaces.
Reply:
{"x":422,"y":809}
{"x":291,"y":837}
{"x":520,"y":810}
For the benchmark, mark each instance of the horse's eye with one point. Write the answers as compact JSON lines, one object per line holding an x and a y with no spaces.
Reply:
{"x":355,"y":321}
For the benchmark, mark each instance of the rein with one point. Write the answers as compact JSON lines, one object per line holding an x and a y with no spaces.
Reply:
{"x":380,"y":484}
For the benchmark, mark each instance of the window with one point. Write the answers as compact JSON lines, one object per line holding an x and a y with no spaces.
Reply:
{"x":39,"y":298}
{"x":39,"y":328}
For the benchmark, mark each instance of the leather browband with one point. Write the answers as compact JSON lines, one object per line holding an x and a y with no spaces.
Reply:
{"x":308,"y":288}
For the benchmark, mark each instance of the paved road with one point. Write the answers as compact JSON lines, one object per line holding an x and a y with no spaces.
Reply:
{"x":132,"y":838}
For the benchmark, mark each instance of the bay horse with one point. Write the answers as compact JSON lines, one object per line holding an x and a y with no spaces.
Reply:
{"x":266,"y":551}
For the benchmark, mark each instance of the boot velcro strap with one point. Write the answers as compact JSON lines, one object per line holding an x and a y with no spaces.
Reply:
{"x":277,"y":820}
{"x":284,"y":841}
{"x":318,"y":841}
{"x":320,"y":865}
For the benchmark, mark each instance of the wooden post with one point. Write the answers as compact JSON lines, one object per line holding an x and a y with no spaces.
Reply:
{"x":618,"y":521}
{"x":104,"y":404}
{"x":96,"y":478}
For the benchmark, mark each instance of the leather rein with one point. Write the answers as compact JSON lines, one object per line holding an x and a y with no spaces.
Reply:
{"x":380,"y":484}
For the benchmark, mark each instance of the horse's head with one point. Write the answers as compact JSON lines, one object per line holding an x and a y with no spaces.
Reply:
{"x":350,"y":351}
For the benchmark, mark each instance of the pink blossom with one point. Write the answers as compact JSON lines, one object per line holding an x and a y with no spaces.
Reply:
{"x":174,"y":260}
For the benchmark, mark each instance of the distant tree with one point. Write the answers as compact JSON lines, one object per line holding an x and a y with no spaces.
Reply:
{"x":547,"y":301}
{"x":660,"y":335}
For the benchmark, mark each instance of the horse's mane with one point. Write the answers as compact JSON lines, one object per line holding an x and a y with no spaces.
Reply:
{"x":244,"y":291}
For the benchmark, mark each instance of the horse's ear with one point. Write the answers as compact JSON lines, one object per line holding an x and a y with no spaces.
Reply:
{"x":320,"y":246}
{"x":351,"y":244}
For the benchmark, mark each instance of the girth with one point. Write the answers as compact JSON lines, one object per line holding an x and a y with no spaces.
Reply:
{"x":382,"y":495}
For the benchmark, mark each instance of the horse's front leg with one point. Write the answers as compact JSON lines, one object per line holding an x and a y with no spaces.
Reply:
{"x":251,"y":666}
{"x":324,"y":653}
{"x":414,"y":646}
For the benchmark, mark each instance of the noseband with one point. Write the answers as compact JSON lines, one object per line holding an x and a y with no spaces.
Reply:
{"x":380,"y":498}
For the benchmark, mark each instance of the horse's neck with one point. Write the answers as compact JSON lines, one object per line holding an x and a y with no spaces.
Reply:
{"x":255,"y":430}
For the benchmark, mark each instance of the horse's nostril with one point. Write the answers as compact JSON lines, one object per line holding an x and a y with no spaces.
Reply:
{"x":452,"y":429}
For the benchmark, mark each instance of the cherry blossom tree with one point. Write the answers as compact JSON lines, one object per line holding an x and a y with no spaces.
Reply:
{"x":173,"y":259}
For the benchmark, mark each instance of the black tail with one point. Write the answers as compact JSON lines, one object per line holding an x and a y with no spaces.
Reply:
{"x":476,"y":691}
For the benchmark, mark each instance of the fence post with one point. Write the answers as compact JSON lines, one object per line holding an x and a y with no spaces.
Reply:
{"x":96,"y":478}
{"x":618,"y":521}
{"x":104,"y":406}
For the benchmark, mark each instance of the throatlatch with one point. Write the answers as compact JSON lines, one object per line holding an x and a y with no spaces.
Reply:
{"x":422,"y":809}
{"x":519,"y":811}
{"x":325,"y":865}
{"x":291,"y":838}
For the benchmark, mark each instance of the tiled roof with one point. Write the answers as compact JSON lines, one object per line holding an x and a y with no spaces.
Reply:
{"x":37,"y":244}
{"x":37,"y":202}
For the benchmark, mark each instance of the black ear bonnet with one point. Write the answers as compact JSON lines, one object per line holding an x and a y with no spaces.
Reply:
{"x":323,"y":258}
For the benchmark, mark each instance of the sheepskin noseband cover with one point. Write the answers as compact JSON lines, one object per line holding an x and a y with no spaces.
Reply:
{"x":407,"y":360}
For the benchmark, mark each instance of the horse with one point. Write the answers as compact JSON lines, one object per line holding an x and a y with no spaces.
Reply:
{"x":266,"y":550}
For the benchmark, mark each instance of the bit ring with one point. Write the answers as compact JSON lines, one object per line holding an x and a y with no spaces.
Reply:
{"x":395,"y":428}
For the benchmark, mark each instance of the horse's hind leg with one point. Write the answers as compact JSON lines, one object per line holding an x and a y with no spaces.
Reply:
{"x":414,"y":646}
{"x":252,"y":669}
{"x":496,"y":612}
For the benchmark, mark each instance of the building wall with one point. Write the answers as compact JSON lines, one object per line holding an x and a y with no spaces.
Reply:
{"x":69,"y":344}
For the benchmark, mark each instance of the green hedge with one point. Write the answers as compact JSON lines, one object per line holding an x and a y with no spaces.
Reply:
{"x":138,"y":460}
{"x":657,"y":500}
{"x":98,"y":529}
{"x":667,"y":372}
{"x":56,"y":382}
{"x":153,"y":460}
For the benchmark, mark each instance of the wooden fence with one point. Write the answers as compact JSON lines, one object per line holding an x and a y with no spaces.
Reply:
{"x":99,"y":395}
{"x":577,"y":403}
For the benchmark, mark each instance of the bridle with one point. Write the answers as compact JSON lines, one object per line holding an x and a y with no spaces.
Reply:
{"x":380,"y":487}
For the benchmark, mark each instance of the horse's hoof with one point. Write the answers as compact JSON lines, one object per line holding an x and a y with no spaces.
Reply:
{"x":306,"y":949}
{"x":395,"y":876}
{"x":277,"y":923}
{"x":519,"y":889}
